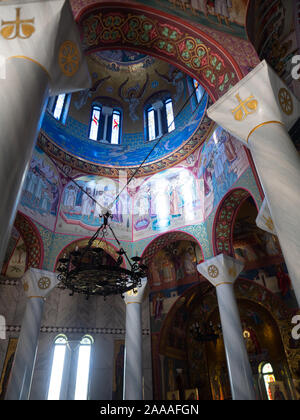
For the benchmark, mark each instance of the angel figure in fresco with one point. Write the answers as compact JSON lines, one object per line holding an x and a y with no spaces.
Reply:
{"x":175,"y":78}
{"x":133,"y":96}
{"x":87,"y":93}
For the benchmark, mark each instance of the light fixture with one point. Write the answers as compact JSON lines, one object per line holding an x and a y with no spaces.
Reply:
{"x":91,"y":271}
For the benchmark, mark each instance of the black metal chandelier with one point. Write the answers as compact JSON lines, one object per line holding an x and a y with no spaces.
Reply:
{"x":91,"y":271}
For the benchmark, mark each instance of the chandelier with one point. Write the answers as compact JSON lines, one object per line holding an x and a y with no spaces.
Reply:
{"x":91,"y":271}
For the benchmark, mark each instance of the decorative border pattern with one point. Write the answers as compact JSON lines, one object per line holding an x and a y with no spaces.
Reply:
{"x":109,"y":26}
{"x":224,"y":220}
{"x":65,"y":330}
{"x":32,"y":240}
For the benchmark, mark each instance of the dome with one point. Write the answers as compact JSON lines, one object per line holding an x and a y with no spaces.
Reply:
{"x":129,"y":82}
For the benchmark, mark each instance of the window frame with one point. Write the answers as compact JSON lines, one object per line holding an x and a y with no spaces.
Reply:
{"x":165,"y":126}
{"x":110,"y":121}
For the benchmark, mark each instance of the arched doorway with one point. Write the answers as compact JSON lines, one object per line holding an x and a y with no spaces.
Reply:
{"x":197,"y":355}
{"x":171,"y":259}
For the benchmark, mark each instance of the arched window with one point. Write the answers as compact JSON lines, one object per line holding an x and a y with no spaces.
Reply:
{"x":83,"y":368}
{"x":105,"y":124}
{"x":159,"y":118}
{"x":58,"y":363}
{"x":58,"y":106}
{"x":268,"y":377}
{"x":70,"y":370}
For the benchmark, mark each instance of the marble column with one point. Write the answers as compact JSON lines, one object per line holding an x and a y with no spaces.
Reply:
{"x":157,"y":106}
{"x":37,"y":285}
{"x":107,"y":112}
{"x":222,"y":271}
{"x":40,"y":56}
{"x":133,"y":373}
{"x":259,"y":111}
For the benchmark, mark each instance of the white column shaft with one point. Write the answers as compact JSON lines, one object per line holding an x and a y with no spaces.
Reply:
{"x":239,"y":369}
{"x":24,"y":360}
{"x":22,"y":98}
{"x":160,"y":133}
{"x":133,"y":374}
{"x":278,"y":165}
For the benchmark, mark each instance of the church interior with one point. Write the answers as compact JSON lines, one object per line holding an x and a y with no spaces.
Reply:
{"x":179,"y":189}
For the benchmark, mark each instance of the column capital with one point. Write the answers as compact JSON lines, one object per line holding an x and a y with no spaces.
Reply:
{"x":221,"y":269}
{"x":38,"y":283}
{"x":158,"y":105}
{"x":259,"y":99}
{"x":29,"y":30}
{"x":106,"y":110}
{"x":264,"y":220}
{"x":136,"y":295}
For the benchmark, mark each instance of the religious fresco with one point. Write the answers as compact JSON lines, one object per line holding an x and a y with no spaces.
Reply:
{"x":226,"y":15}
{"x":134,"y":152}
{"x":261,"y":254}
{"x":273,"y":34}
{"x":82,"y":205}
{"x":221,"y":162}
{"x":41,"y":190}
{"x":174,"y":265}
{"x":169,"y":199}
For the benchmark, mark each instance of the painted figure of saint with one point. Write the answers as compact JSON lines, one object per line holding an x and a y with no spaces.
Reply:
{"x":200,"y":5}
{"x":86,"y":206}
{"x":222,"y":10}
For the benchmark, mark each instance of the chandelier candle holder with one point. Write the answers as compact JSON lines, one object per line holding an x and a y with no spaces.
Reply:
{"x":91,"y":271}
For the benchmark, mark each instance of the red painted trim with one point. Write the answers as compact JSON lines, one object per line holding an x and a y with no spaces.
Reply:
{"x":219,"y":208}
{"x":38,"y":237}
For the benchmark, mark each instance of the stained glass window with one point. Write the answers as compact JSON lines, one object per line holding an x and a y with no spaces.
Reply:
{"x":57,"y":368}
{"x":83,"y":369}
{"x":269,"y":378}
{"x":95,"y":123}
{"x":170,"y":115}
{"x":151,"y":124}
{"x":115,"y":130}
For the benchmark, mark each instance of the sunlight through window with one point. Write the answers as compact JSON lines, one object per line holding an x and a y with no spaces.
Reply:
{"x":57,"y":368}
{"x":83,"y":368}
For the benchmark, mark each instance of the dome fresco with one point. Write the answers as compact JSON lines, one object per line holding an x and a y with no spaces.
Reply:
{"x":127,"y":80}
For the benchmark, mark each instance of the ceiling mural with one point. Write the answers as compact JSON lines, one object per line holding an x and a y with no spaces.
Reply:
{"x":106,"y":159}
{"x":195,"y":52}
{"x":41,"y":190}
{"x":83,"y":203}
{"x":273,"y":34}
{"x":168,"y":200}
{"x":226,"y":15}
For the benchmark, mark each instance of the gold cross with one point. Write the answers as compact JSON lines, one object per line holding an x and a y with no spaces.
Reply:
{"x":19,"y":28}
{"x":269,"y":223}
{"x":244,"y":108}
